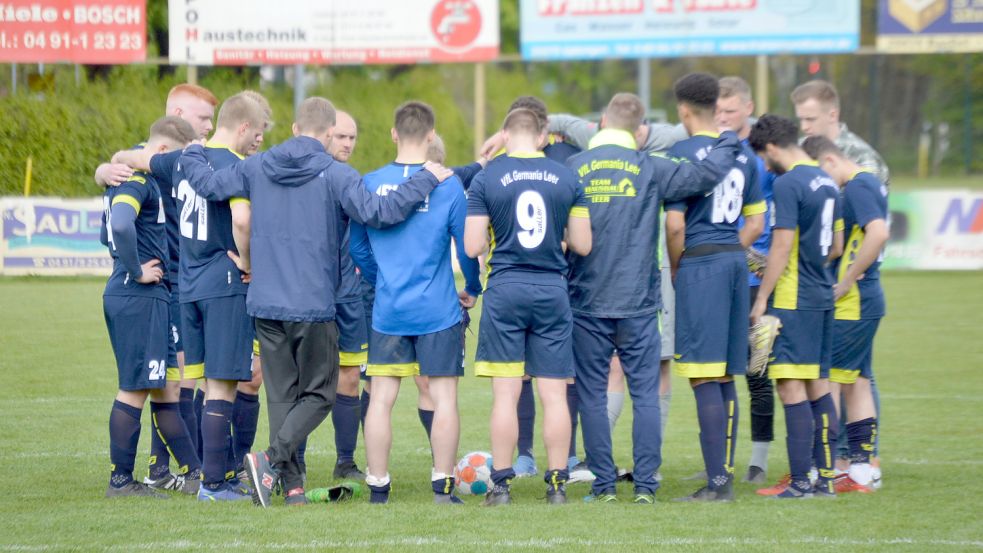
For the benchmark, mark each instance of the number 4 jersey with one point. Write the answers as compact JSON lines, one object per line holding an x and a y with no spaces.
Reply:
{"x":807,"y":201}
{"x":527,"y":199}
{"x":712,"y":219}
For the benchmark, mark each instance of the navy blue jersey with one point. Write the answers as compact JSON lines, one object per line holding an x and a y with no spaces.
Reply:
{"x":163,"y":167}
{"x":808,"y":202}
{"x":527,"y":199}
{"x":864,"y":200}
{"x":349,"y":282}
{"x":206,"y":237}
{"x":142,"y":194}
{"x":713,"y":218}
{"x":560,"y":152}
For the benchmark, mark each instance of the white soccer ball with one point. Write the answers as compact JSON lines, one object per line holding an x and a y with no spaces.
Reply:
{"x":472,"y":475}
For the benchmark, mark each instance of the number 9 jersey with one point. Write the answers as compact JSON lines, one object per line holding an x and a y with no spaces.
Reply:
{"x":527,"y":199}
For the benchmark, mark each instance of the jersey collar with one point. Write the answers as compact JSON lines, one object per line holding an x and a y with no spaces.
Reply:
{"x":857,"y":174}
{"x":807,"y":163}
{"x":613,"y":137}
{"x":527,"y":155}
{"x":707,"y":134}
{"x":221,"y":146}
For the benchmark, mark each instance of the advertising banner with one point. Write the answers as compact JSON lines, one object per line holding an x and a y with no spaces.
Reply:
{"x":596,"y":29}
{"x":224,"y":32}
{"x":929,"y":26}
{"x":52,"y":236}
{"x":73,"y":31}
{"x":935,"y":229}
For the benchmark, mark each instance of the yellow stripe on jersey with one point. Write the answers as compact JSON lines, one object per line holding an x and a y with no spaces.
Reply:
{"x":507,"y":369}
{"x":222,"y":146}
{"x":848,"y":307}
{"x":194,"y":372}
{"x":699,"y":370}
{"x":787,"y":288}
{"x":398,"y":370}
{"x":580,"y":212}
{"x":137,"y":178}
{"x":353,"y":359}
{"x":839,"y":226}
{"x":844,"y":376}
{"x":235,"y":201}
{"x":128,"y":200}
{"x":491,"y":251}
{"x":527,"y":155}
{"x":754,"y":209}
{"x":793,"y":370}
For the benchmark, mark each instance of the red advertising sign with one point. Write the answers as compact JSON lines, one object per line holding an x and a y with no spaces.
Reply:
{"x":73,"y":31}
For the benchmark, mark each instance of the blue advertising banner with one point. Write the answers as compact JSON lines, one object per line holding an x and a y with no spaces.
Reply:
{"x":929,"y":26}
{"x":52,"y":236}
{"x":596,"y":29}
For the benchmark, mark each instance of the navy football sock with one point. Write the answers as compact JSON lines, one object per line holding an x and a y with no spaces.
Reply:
{"x":713,"y":432}
{"x":174,"y":435}
{"x":160,"y":459}
{"x":798,"y":425}
{"x":216,"y":428}
{"x":124,"y":435}
{"x":302,"y":456}
{"x":527,"y":418}
{"x":443,"y":486}
{"x":860,"y":436}
{"x":199,"y":405}
{"x":556,"y":478}
{"x":245,"y":417}
{"x":345,"y":416}
{"x":573,"y":401}
{"x":187,"y":403}
{"x":503,"y":477}
{"x":363,"y":401}
{"x":826,"y":428}
{"x":729,"y":392}
{"x":426,"y":419}
{"x":379,"y":494}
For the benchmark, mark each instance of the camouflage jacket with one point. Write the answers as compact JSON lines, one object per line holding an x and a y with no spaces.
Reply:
{"x":862,"y":153}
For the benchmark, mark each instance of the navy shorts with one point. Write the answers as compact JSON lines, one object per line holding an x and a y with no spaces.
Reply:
{"x":353,"y":339}
{"x":137,"y":328}
{"x":526,"y":329}
{"x":218,"y":338}
{"x":712,"y":308}
{"x":804,"y":347}
{"x":436,"y":354}
{"x":853,"y":350}
{"x":175,"y":345}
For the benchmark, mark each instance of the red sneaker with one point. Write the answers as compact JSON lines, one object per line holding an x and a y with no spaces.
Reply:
{"x":845,"y":484}
{"x":778,"y":488}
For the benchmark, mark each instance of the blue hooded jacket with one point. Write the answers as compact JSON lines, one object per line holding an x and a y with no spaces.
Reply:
{"x":300,"y":199}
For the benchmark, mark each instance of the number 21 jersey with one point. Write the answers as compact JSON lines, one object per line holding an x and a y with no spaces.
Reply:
{"x":528,"y":199}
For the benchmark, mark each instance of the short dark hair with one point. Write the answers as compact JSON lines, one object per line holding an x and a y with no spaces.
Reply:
{"x":315,"y":115}
{"x":818,"y":146}
{"x":413,"y":120}
{"x":698,"y":91}
{"x":534,"y":105}
{"x":625,"y":111}
{"x":773,"y":129}
{"x":173,"y":128}
{"x":523,"y":121}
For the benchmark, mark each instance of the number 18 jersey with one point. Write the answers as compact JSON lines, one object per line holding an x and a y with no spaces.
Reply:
{"x":528,"y":199}
{"x":712,"y":219}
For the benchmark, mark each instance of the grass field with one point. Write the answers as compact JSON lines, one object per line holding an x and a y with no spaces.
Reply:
{"x":57,"y":381}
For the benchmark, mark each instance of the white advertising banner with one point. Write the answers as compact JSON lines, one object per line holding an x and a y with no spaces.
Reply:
{"x":52,"y":236}
{"x":935,"y":229}
{"x":237,"y":32}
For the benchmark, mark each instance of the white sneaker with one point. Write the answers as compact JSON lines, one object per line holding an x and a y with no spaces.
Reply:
{"x":580,"y":473}
{"x":875,"y":478}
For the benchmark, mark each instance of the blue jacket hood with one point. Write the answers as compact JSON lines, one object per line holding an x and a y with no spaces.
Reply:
{"x":296,"y":161}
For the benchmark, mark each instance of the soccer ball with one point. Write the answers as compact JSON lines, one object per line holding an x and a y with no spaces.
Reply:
{"x":472,"y":475}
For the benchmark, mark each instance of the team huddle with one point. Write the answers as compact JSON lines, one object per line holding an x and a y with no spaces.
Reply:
{"x":605,"y":256}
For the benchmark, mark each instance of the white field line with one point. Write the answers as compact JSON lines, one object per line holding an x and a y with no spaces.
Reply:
{"x":429,"y":541}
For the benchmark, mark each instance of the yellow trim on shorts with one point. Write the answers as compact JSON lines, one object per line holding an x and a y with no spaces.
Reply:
{"x":255,"y":348}
{"x":507,"y":369}
{"x":844,"y":376}
{"x":398,"y":370}
{"x":754,"y":209}
{"x":700,"y":370}
{"x":173,"y":374}
{"x":128,"y":200}
{"x":793,"y":371}
{"x":194,"y":372}
{"x":353,"y":359}
{"x":580,"y":212}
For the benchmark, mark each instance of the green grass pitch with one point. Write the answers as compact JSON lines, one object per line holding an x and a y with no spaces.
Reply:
{"x":57,"y":381}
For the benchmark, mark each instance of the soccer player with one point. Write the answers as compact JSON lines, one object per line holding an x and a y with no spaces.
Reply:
{"x":734,"y":109}
{"x":135,"y":304}
{"x":859,"y":303}
{"x":527,"y":202}
{"x":295,"y":272}
{"x":808,"y":232}
{"x":706,"y":250}
{"x":195,"y":105}
{"x":416,"y":321}
{"x":626,"y":188}
{"x":817,"y":106}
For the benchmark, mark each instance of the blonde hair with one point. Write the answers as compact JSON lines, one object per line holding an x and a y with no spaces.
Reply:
{"x":822,"y":91}
{"x":315,"y":115}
